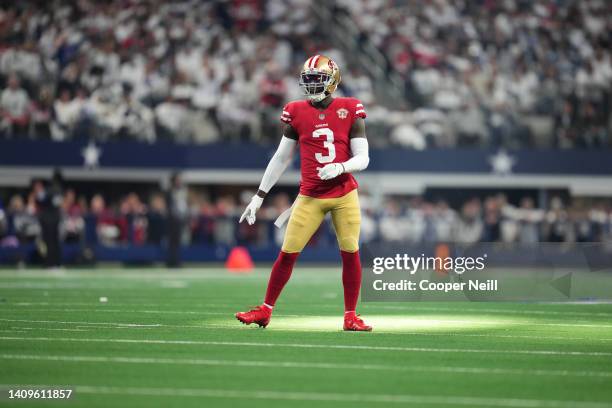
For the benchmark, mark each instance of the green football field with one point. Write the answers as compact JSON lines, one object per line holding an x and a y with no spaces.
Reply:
{"x":168,"y":338}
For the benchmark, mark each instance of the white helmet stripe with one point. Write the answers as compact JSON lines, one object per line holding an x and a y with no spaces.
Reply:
{"x":313,"y":61}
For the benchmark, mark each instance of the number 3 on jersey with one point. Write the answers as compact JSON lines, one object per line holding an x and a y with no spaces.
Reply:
{"x":328,"y":144}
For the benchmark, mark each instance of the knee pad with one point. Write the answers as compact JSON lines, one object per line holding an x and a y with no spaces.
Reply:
{"x":293,"y":243}
{"x":349,"y":243}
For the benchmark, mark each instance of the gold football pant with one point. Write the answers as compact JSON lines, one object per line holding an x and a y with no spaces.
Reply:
{"x":308,"y":213}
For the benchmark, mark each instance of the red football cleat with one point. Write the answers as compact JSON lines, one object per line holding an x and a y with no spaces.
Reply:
{"x":354,"y":323}
{"x":259,"y":314}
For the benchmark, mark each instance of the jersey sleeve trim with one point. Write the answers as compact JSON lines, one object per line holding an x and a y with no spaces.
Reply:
{"x":286,"y":115}
{"x":359,"y":110}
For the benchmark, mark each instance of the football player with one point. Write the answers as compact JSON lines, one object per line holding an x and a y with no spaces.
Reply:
{"x":331,"y":136}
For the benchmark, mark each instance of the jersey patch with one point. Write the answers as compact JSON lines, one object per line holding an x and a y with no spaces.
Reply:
{"x":342,"y":113}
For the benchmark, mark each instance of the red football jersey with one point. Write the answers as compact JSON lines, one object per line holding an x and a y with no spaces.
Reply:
{"x":324,"y":138}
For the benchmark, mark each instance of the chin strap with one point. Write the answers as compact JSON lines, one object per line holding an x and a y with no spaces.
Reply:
{"x":319,"y":97}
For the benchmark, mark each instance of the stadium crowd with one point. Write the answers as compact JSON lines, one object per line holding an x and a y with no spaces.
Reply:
{"x":409,"y":220}
{"x":184,"y":70}
{"x":512,"y":73}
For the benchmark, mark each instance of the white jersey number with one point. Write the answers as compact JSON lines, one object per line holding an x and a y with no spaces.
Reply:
{"x":328,"y":144}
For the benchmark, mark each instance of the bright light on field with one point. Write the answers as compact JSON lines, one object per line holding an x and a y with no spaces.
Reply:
{"x":388,"y":323}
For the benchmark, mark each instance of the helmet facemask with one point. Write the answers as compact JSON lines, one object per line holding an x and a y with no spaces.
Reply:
{"x":314,"y":84}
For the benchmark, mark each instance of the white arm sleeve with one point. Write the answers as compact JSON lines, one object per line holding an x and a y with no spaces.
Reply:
{"x":361,"y":157}
{"x":278,"y":163}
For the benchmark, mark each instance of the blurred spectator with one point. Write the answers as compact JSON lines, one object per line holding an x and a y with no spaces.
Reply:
{"x":469,"y":227}
{"x":530,"y":219}
{"x":66,"y":113}
{"x":138,"y":120}
{"x":156,"y":220}
{"x":14,"y":103}
{"x":202,"y":220}
{"x":176,"y":203}
{"x":41,"y":114}
{"x":103,"y":229}
{"x":360,"y":85}
{"x":492,"y":219}
{"x":445,"y":218}
{"x":272,"y":97}
{"x":391,"y":222}
{"x":174,"y":117}
{"x":49,"y":200}
{"x":407,"y":135}
{"x":73,"y":223}
{"x":225,"y":212}
{"x":3,"y":222}
{"x":557,"y":222}
{"x":22,"y":220}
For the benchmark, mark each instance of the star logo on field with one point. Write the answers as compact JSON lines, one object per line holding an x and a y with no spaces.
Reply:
{"x":502,"y":163}
{"x":91,"y":155}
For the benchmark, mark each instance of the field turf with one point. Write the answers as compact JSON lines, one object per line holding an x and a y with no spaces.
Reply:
{"x":169,"y":339}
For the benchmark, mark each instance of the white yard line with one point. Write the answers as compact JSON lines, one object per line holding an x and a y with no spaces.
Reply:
{"x":460,"y":308}
{"x":412,"y":308}
{"x":48,"y":328}
{"x":84,"y":323}
{"x":144,"y":274}
{"x":314,"y":346}
{"x":104,"y":309}
{"x":514,"y":322}
{"x":297,"y":364}
{"x":542,"y":336}
{"x":114,"y":325}
{"x":102,"y":326}
{"x":331,"y":397}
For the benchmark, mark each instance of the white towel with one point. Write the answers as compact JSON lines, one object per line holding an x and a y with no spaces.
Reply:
{"x":283,"y":217}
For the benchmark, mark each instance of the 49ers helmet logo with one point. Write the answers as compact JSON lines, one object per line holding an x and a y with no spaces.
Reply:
{"x":319,"y":77}
{"x":342,"y":113}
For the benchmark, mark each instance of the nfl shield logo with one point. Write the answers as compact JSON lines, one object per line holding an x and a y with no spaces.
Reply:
{"x":322,"y":116}
{"x":342,"y":113}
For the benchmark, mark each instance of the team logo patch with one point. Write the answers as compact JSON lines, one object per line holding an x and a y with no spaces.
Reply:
{"x":342,"y":113}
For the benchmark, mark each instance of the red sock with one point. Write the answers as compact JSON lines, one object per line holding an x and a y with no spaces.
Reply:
{"x":351,"y":279}
{"x":281,"y":272}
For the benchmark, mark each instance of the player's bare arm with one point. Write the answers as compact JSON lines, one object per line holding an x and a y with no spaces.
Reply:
{"x":276,"y":167}
{"x":358,"y":129}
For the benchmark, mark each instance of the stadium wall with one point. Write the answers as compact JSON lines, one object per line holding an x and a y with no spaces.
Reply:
{"x":499,"y":255}
{"x":583,"y":172}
